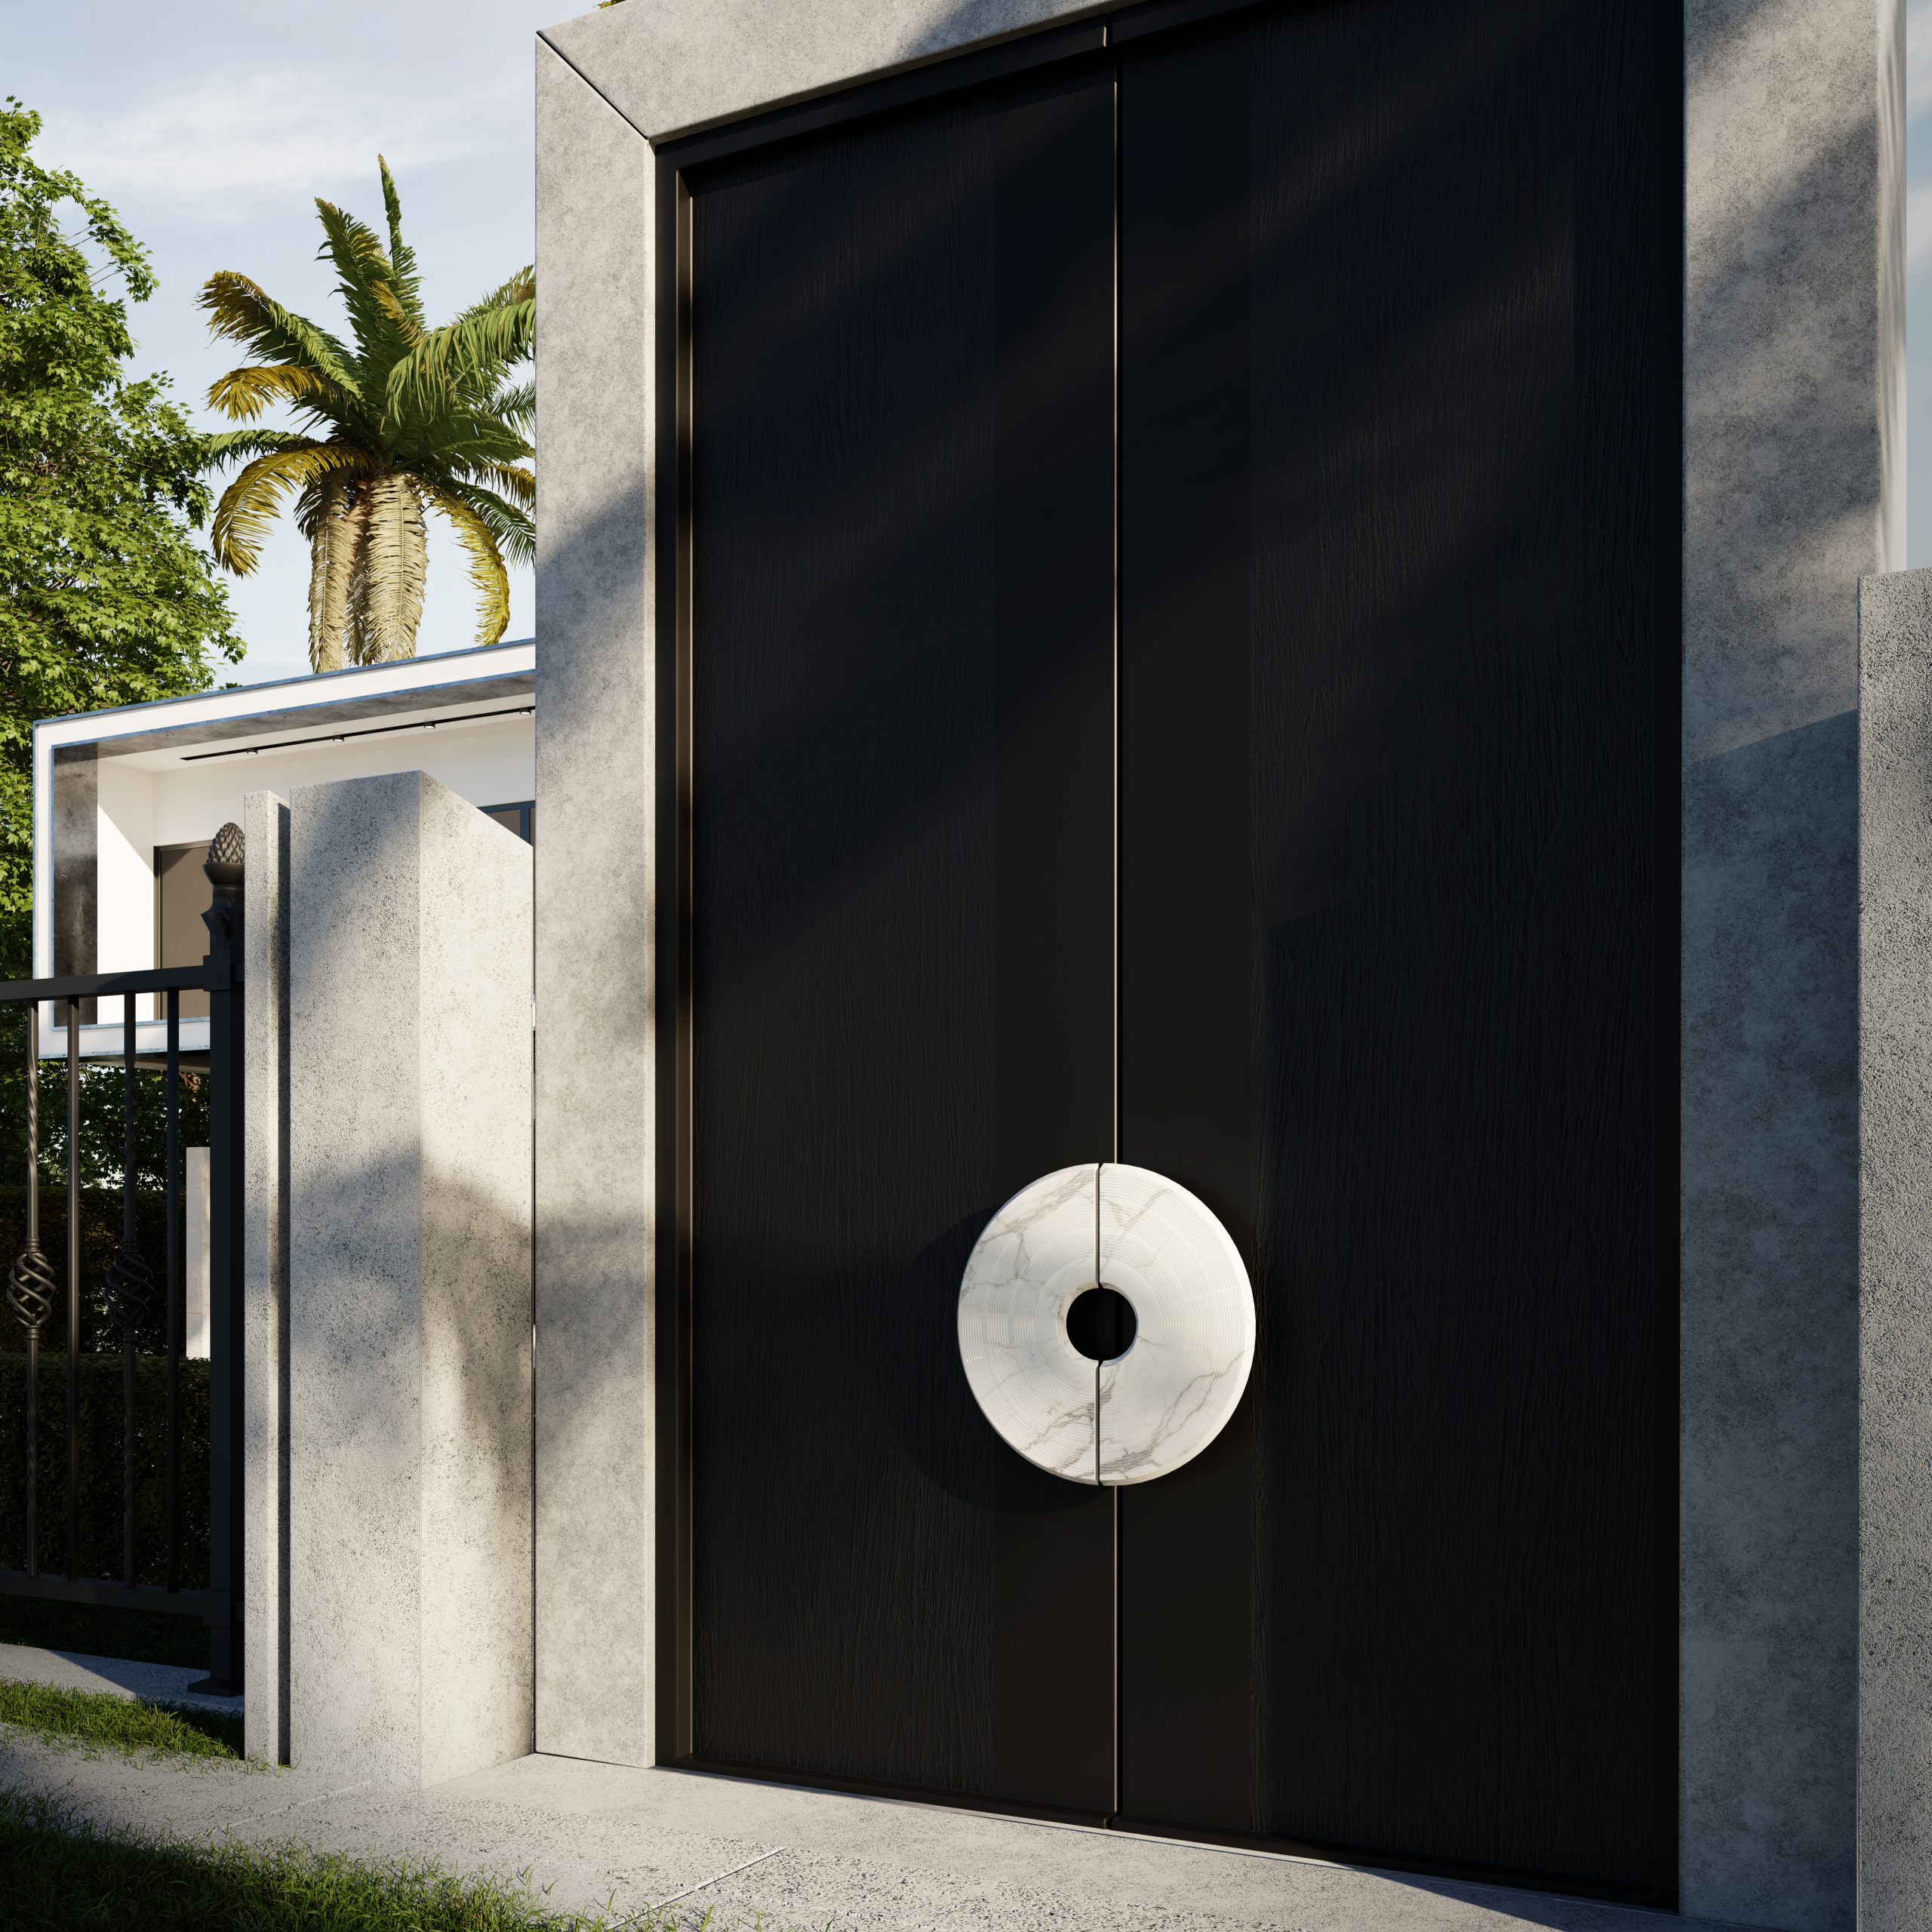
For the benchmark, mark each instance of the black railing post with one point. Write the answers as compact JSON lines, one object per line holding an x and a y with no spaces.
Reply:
{"x":73,"y":1288}
{"x":177,"y":1289}
{"x":129,"y":1288}
{"x":224,"y":917}
{"x":31,"y":1288}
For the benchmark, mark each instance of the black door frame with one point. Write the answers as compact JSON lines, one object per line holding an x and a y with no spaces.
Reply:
{"x":671,"y":532}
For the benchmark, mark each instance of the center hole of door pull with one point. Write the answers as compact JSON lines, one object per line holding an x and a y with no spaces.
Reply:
{"x":1101,"y":1324}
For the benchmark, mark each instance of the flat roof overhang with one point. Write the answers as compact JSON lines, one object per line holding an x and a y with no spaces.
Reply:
{"x":452,"y":687}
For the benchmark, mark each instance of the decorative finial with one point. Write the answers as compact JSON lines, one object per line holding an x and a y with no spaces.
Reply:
{"x":227,"y":851}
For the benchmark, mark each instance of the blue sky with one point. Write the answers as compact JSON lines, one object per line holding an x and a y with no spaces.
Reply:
{"x":212,"y":124}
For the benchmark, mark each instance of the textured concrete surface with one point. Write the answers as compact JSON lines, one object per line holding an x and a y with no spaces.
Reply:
{"x":1895,"y":1253}
{"x":114,"y":1677}
{"x":1792,"y":386}
{"x":595,"y":982}
{"x":409,"y":1025}
{"x":672,"y":66}
{"x":264,"y":1276}
{"x":605,"y":1835}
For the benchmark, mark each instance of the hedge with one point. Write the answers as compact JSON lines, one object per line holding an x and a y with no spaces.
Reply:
{"x":101,"y":1222}
{"x":101,"y":1448}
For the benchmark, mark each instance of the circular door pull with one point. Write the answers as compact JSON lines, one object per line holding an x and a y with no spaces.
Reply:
{"x":1106,"y":1324}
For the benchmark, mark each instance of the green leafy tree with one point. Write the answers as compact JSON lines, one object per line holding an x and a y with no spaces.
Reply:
{"x":408,"y":419}
{"x":105,"y":598}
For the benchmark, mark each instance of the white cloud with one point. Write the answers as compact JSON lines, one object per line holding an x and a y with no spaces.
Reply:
{"x":215,"y":149}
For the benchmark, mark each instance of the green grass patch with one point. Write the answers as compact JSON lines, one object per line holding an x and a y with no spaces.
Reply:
{"x":99,"y":1722}
{"x":57,"y":1870}
{"x":102,"y":1630}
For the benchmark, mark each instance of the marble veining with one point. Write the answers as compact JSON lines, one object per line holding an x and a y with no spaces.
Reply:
{"x":1161,"y":1403}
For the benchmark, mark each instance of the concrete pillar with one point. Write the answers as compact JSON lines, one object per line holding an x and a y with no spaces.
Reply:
{"x":595,"y":1145}
{"x":409,"y":1276}
{"x":264,"y":1275}
{"x":1895,"y":1254}
{"x":1793,"y":388}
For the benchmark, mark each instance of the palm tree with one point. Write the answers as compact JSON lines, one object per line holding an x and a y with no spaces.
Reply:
{"x":410,"y":419}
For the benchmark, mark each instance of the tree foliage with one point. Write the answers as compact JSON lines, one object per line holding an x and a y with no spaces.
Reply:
{"x":105,"y":597}
{"x":399,"y":420}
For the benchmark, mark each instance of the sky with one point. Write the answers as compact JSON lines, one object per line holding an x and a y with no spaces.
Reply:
{"x":211,"y":125}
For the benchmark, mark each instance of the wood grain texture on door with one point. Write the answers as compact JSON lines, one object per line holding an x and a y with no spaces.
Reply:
{"x":1398,"y":581}
{"x":902,"y":927}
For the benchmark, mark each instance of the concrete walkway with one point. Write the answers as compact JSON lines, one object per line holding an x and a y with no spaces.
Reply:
{"x":605,"y":1835}
{"x":72,"y":1670}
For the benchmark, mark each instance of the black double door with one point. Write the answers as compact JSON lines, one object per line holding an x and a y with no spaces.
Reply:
{"x":1180,"y":579}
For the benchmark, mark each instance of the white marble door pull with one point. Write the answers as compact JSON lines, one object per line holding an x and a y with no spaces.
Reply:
{"x":1169,"y":1392}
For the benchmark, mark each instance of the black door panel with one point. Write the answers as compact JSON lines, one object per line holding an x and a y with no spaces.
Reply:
{"x":1181,"y":580}
{"x":901,"y":667}
{"x":1393,"y":906}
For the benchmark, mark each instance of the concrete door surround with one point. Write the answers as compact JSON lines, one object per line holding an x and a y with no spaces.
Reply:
{"x":1793,"y":490}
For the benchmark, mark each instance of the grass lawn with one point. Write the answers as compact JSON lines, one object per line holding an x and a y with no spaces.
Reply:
{"x":96,"y":1720}
{"x":100,"y":1630}
{"x":58,"y":1870}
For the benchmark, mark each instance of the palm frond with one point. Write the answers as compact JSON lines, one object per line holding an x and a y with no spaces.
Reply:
{"x":240,"y":311}
{"x":517,"y":406}
{"x":225,"y":445}
{"x":514,"y":532}
{"x":404,"y":279}
{"x":393,"y":561}
{"x":522,"y":286}
{"x":386,"y":300}
{"x":469,"y":356}
{"x":363,"y":274}
{"x":243,"y":393}
{"x":460,"y":436}
{"x":486,"y":562}
{"x":253,"y":501}
{"x":518,"y":485}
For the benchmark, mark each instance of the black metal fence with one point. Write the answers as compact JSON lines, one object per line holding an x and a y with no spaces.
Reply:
{"x":129,"y":1287}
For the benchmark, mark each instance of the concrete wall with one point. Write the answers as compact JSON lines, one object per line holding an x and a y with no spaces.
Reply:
{"x":1895,"y":1189}
{"x":1793,"y":488}
{"x":1792,"y":398}
{"x":595,"y":1143}
{"x":408,"y":1089}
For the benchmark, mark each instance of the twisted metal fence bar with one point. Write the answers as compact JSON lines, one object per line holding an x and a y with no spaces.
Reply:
{"x":31,"y":1288}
